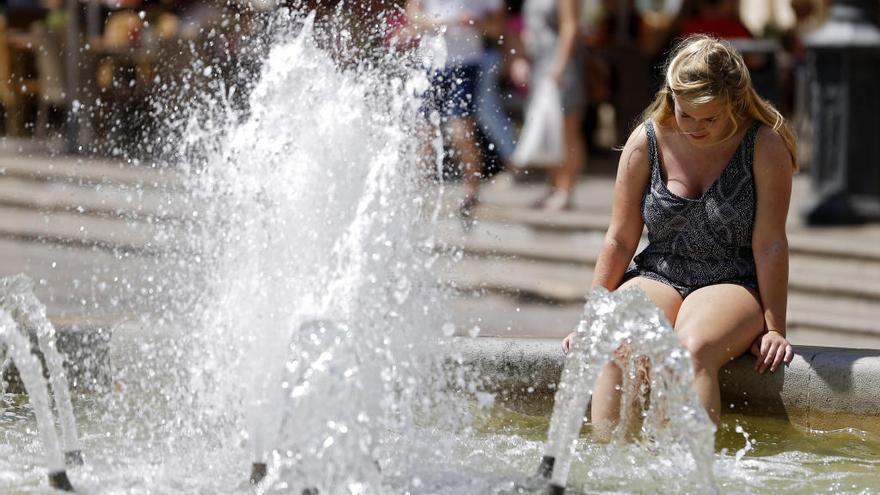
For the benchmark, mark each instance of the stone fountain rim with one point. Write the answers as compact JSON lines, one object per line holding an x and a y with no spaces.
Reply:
{"x":822,"y":388}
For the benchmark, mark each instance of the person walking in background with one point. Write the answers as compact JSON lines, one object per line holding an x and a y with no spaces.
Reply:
{"x":552,"y":41}
{"x":462,"y":25}
{"x":709,"y":173}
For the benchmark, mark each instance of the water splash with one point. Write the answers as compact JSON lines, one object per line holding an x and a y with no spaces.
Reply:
{"x":30,"y":370}
{"x":673,"y":416}
{"x":18,"y":299}
{"x":317,"y":303}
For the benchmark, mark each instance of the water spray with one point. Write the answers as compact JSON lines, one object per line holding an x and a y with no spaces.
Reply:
{"x":19,"y":347}
{"x":350,"y":263}
{"x":310,"y":339}
{"x":609,"y":321}
{"x":19,"y":300}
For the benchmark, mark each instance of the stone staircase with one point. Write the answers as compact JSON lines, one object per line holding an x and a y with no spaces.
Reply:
{"x":89,"y":230}
{"x":524,"y":272}
{"x":86,"y":229}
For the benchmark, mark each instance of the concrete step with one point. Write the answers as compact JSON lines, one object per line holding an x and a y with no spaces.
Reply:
{"x":514,"y":240}
{"x":855,"y":278}
{"x":92,"y":203}
{"x":568,"y":220}
{"x":87,"y":171}
{"x":75,"y":281}
{"x":104,"y":200}
{"x":85,"y":231}
{"x":555,"y":283}
{"x":834,"y":314}
{"x":495,"y":315}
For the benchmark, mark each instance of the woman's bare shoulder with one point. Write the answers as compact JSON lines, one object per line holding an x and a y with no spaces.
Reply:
{"x":770,"y":150}
{"x":635,"y":151}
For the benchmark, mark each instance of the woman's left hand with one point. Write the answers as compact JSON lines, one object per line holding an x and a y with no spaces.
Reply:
{"x":771,"y":349}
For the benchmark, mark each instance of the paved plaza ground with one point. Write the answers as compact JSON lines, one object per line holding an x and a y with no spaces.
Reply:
{"x":86,"y":230}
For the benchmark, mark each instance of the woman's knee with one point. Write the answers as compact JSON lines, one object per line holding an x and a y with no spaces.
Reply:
{"x":611,"y":372}
{"x":704,"y":354}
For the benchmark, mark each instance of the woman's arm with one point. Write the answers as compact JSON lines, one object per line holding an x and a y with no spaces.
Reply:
{"x":773,"y":177}
{"x":568,"y":13}
{"x":625,"y":229}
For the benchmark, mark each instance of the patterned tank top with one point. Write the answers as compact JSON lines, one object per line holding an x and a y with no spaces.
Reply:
{"x":693,"y":243}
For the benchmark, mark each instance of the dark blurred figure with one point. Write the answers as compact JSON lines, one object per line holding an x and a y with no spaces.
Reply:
{"x":794,"y":79}
{"x":619,"y":66}
{"x":497,"y":137}
{"x":719,"y":18}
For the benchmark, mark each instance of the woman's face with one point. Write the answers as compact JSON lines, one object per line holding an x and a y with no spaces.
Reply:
{"x":702,"y":124}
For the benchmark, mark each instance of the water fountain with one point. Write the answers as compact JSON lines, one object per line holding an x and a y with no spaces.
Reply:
{"x":303,"y":347}
{"x":323,"y":249}
{"x":310,"y":347}
{"x":20,"y":311}
{"x":671,"y":412}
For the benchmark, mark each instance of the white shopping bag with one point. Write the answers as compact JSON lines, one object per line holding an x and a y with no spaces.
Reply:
{"x":540,"y":141}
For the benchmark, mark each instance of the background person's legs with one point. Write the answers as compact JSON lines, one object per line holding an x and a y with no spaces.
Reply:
{"x":564,"y":177}
{"x":716,"y":324}
{"x":458,"y":93}
{"x":462,"y":134}
{"x":430,"y":150}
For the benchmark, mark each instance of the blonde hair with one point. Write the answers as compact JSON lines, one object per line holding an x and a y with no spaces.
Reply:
{"x":702,"y":69}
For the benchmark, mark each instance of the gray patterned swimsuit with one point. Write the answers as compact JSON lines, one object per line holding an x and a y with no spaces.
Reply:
{"x":693,"y":243}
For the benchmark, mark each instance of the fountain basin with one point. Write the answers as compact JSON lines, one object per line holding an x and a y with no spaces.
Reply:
{"x":834,"y":386}
{"x":822,"y":388}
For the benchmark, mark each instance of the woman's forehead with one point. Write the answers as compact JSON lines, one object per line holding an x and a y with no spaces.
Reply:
{"x":701,"y":110}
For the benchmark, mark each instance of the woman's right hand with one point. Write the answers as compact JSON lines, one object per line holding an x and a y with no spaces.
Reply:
{"x":566,"y":343}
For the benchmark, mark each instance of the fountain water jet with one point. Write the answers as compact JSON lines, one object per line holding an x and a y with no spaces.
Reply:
{"x":17,"y":297}
{"x":313,"y":292}
{"x":18,"y":302}
{"x":628,"y":318}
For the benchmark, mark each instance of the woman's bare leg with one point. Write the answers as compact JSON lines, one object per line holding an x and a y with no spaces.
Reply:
{"x":716,"y":324}
{"x":605,"y":406}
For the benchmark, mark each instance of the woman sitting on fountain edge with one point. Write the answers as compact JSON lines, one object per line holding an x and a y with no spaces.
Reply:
{"x":709,"y":172}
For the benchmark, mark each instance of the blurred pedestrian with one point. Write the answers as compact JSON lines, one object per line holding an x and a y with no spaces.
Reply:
{"x":552,"y":42}
{"x":461,"y":24}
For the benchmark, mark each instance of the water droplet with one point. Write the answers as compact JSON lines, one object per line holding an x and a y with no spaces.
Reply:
{"x":448,"y":329}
